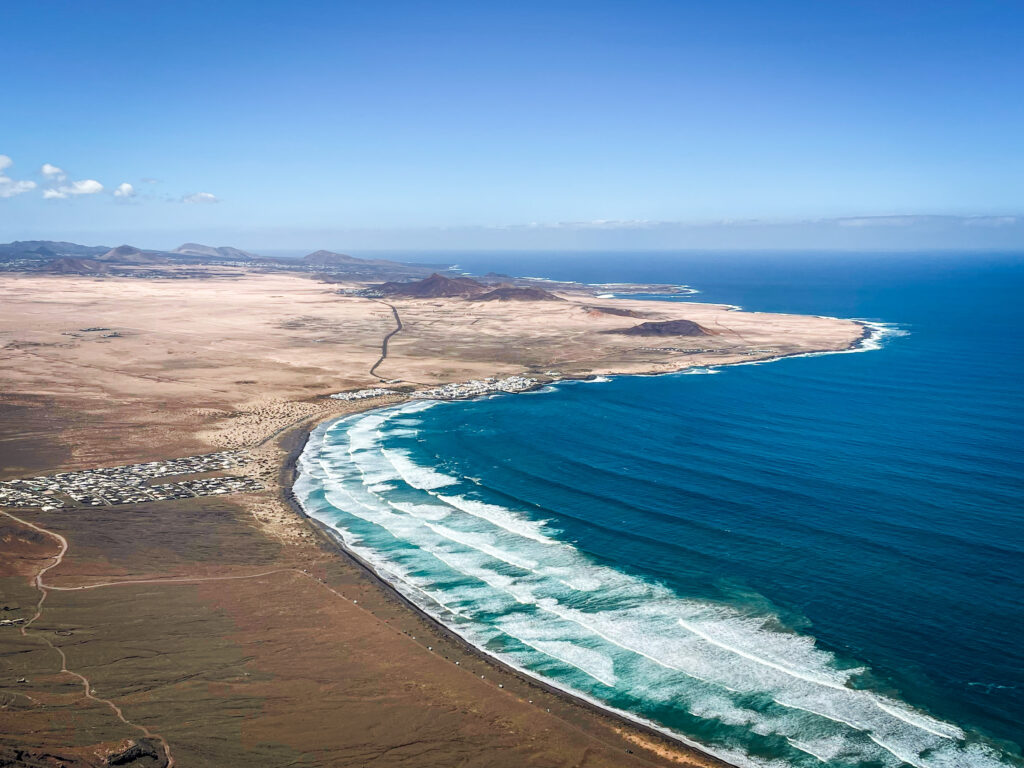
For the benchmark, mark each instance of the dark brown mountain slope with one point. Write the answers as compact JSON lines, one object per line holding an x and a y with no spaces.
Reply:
{"x":665,"y":328}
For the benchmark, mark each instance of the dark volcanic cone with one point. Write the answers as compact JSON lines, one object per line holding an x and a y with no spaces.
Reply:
{"x":665,"y":328}
{"x":435,"y":287}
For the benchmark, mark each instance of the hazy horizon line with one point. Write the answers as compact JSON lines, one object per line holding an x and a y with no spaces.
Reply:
{"x":901,"y":232}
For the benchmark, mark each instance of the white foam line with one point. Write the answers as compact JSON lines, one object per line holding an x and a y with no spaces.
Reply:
{"x":385,"y":569}
{"x":859,"y":727}
{"x":805,"y":748}
{"x":566,"y":617}
{"x":428,"y":479}
{"x":898,"y":754}
{"x":548,"y":652}
{"x":468,"y":541}
{"x":637,"y":651}
{"x":828,"y":683}
{"x":479,"y":574}
{"x":922,"y":722}
{"x":499,"y":517}
{"x":758,"y":660}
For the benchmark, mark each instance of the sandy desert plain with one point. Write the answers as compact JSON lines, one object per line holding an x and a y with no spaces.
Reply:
{"x":228,"y":630}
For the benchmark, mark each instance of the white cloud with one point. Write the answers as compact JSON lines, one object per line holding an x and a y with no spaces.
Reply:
{"x":51,"y":171}
{"x":930,"y":221}
{"x":10,"y":187}
{"x":992,"y":221}
{"x":124,"y":190}
{"x":75,"y":188}
{"x":200,"y":197}
{"x":881,"y":221}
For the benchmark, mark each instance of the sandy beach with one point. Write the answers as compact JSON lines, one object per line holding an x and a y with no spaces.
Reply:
{"x":229,"y":627}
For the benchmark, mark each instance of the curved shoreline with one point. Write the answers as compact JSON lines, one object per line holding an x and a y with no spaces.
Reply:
{"x":299,"y":438}
{"x":294,"y":441}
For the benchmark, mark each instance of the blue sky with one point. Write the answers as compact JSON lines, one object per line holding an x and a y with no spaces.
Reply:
{"x":548,"y":124}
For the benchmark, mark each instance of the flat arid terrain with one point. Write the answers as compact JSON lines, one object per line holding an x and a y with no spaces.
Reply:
{"x":226,"y":630}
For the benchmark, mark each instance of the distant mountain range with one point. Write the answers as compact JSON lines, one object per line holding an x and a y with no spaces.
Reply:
{"x":72,"y":258}
{"x":48,"y":249}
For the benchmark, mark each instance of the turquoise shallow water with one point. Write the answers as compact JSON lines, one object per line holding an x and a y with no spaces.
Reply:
{"x":812,"y":560}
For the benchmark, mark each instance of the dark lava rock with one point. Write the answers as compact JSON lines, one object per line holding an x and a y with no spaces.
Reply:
{"x":665,"y":328}
{"x":144,"y":752}
{"x":73,"y":266}
{"x":514,"y":293}
{"x":435,"y":287}
{"x":619,"y":311}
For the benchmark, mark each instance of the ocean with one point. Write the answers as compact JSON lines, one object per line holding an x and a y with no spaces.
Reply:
{"x":813,"y":560}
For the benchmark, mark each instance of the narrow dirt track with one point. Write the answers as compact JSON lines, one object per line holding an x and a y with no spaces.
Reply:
{"x":87,"y":689}
{"x":86,"y":685}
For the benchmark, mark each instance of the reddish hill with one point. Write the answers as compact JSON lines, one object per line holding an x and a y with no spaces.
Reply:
{"x":71,"y":266}
{"x":129,"y":254}
{"x":435,"y":287}
{"x":514,"y":293}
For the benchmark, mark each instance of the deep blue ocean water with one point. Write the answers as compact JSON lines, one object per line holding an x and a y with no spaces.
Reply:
{"x":811,"y":560}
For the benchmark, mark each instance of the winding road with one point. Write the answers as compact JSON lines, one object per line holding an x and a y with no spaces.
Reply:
{"x":384,"y":343}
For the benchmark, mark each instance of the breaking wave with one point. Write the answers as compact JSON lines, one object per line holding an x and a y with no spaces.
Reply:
{"x":732,"y":679}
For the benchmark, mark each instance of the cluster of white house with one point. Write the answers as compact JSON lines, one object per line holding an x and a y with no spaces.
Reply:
{"x":710,"y":350}
{"x":128,"y":484}
{"x":473,"y":388}
{"x":363,"y":394}
{"x":477,"y":387}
